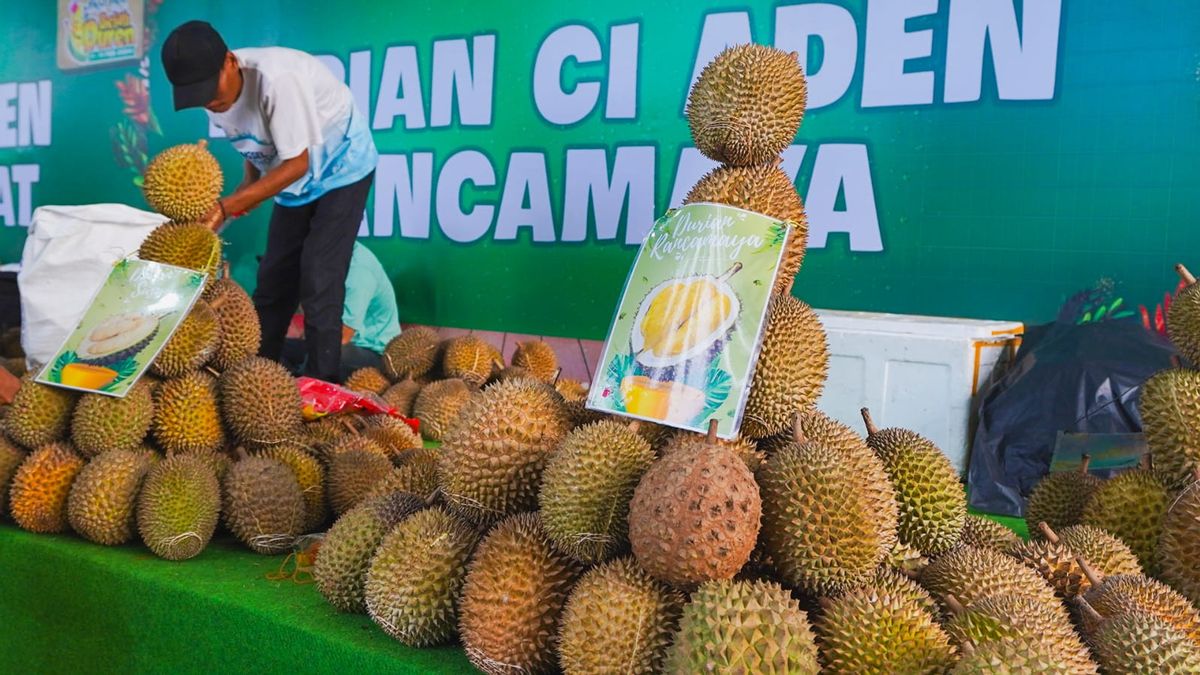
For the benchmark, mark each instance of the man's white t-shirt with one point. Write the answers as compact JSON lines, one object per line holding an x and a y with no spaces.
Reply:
{"x":291,"y":102}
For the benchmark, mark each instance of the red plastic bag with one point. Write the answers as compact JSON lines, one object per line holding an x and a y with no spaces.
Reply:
{"x":320,"y":398}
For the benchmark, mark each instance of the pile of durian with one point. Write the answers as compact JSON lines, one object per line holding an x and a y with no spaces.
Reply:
{"x":543,"y":536}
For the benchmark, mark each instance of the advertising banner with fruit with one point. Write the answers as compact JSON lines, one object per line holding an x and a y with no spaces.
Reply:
{"x":99,"y":32}
{"x":129,"y":322}
{"x":685,"y":337}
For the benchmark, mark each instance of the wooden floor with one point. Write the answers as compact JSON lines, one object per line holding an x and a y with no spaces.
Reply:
{"x":578,"y":358}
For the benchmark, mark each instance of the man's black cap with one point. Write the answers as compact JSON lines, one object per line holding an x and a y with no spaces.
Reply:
{"x":192,"y":56}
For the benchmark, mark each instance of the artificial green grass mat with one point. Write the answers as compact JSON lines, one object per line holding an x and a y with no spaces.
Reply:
{"x":72,"y":606}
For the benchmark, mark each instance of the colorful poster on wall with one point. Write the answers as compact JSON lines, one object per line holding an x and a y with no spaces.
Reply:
{"x":99,"y":32}
{"x":683,"y":343}
{"x":124,"y":328}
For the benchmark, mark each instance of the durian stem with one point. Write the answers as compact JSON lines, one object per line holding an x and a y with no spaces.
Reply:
{"x":712,"y":431}
{"x":871,"y":428}
{"x":953,"y":604}
{"x":1050,"y":534}
{"x":737,"y":267}
{"x":241,"y":452}
{"x":1094,"y":578}
{"x":557,"y":374}
{"x":1085,"y":460}
{"x":798,"y":429}
{"x":1176,"y":363}
{"x":1087,"y":610}
{"x":968,"y":648}
{"x":1147,"y":462}
{"x":212,"y":371}
{"x":1184,"y":274}
{"x":825,"y":603}
{"x":635,"y":426}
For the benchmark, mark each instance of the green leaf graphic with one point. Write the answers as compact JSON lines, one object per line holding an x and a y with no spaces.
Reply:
{"x":717,"y":386}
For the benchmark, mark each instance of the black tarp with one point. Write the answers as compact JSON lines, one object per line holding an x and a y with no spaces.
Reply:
{"x":1066,"y":376}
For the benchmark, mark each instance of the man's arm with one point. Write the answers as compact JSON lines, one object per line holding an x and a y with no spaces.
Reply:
{"x":250,"y":173}
{"x":251,"y":194}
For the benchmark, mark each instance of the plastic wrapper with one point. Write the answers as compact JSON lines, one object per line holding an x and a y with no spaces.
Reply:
{"x":320,"y":398}
{"x":1076,"y":378}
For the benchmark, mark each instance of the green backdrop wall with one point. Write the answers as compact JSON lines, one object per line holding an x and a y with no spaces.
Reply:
{"x":960,"y":157}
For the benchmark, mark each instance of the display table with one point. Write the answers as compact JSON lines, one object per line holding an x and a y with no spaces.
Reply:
{"x":67,"y":605}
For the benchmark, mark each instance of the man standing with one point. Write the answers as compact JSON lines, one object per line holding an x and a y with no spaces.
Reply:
{"x":307,"y":146}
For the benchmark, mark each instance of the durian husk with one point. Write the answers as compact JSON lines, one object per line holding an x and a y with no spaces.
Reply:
{"x":516,"y":588}
{"x":438,"y":406}
{"x":970,"y":574}
{"x":263,"y":504}
{"x":39,"y":414}
{"x":689,"y":441}
{"x":184,"y":244}
{"x":178,"y":507}
{"x":1044,"y":627}
{"x":618,"y":619}
{"x":1170,"y":408}
{"x":1137,"y":642}
{"x":1131,"y":506}
{"x":1011,"y":656}
{"x":747,"y":104}
{"x":368,"y":380}
{"x":764,"y":189}
{"x":1118,"y":594}
{"x":310,"y":474}
{"x":352,"y":474}
{"x":193,"y":345}
{"x":984,"y":532}
{"x":869,"y":631}
{"x":11,"y":457}
{"x":1058,"y":499}
{"x":791,"y":369}
{"x":241,"y":332}
{"x":402,"y":395}
{"x":260,"y":402}
{"x":103,"y":423}
{"x":39,"y":491}
{"x":470,"y":359}
{"x":1179,"y":547}
{"x":1183,"y":320}
{"x":413,"y":353}
{"x":538,"y":358}
{"x":183,"y":182}
{"x":186,"y":415}
{"x":743,"y":627}
{"x":101,"y":505}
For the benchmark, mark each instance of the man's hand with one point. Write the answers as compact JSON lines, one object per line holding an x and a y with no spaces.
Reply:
{"x":9,"y":384}
{"x":215,"y":218}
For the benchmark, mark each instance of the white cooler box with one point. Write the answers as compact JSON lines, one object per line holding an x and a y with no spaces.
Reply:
{"x":916,"y":372}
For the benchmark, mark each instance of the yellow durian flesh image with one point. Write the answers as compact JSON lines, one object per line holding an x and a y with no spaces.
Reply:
{"x":681,"y":319}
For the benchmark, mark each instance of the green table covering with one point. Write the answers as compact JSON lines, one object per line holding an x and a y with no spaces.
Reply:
{"x":67,"y":605}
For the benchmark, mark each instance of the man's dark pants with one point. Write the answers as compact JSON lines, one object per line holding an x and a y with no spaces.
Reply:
{"x":305,"y":265}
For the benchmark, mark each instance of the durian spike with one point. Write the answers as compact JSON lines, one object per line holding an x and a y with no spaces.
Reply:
{"x":953,"y":604}
{"x":870,"y":423}
{"x":967,"y":648}
{"x":712,"y":431}
{"x":1184,"y":274}
{"x":1050,"y":534}
{"x":798,"y":429}
{"x":349,"y":426}
{"x":1094,"y":577}
{"x":777,"y":162}
{"x":1086,"y":608}
{"x":1085,"y":460}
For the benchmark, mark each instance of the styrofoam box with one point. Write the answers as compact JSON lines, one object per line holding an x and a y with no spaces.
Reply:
{"x":916,"y":372}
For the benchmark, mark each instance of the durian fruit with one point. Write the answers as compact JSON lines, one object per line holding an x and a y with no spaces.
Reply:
{"x":866,"y":631}
{"x":819,"y":524}
{"x":747,"y":104}
{"x":743,"y":627}
{"x":178,"y":507}
{"x":183,"y":244}
{"x":512,"y":602}
{"x":310,"y":475}
{"x":1054,"y":558}
{"x":416,"y":576}
{"x":1131,"y":507}
{"x":39,"y":414}
{"x":11,"y":457}
{"x":395,"y":437}
{"x":183,"y":182}
{"x":513,"y":373}
{"x":1010,"y":656}
{"x":186,"y":415}
{"x":346,"y":551}
{"x":368,"y":380}
{"x":260,"y":402}
{"x":241,"y":332}
{"x":571,"y":390}
{"x":102,"y":500}
{"x":618,"y":619}
{"x":1170,"y":408}
{"x":470,"y":359}
{"x":688,"y":441}
{"x":402,"y":395}
{"x":907,"y":559}
{"x":217,"y":462}
{"x":790,"y":374}
{"x":39,"y":490}
{"x":418,"y":478}
{"x":1183,"y":320}
{"x":352,"y":474}
{"x":355,"y":442}
{"x":586,"y":488}
{"x":1134,"y":643}
{"x":538,"y":358}
{"x":193,"y":344}
{"x":695,"y":516}
{"x":970,"y":573}
{"x":438,"y":405}
{"x":1058,"y":498}
{"x":1121,"y":593}
{"x":103,"y":423}
{"x":982,"y":532}
{"x":263,"y":506}
{"x":764,"y":189}
{"x":412,"y":353}
{"x":933,"y":504}
{"x":1041,"y":627}
{"x":1179,"y":546}
{"x":494,"y":454}
{"x":890,"y":581}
